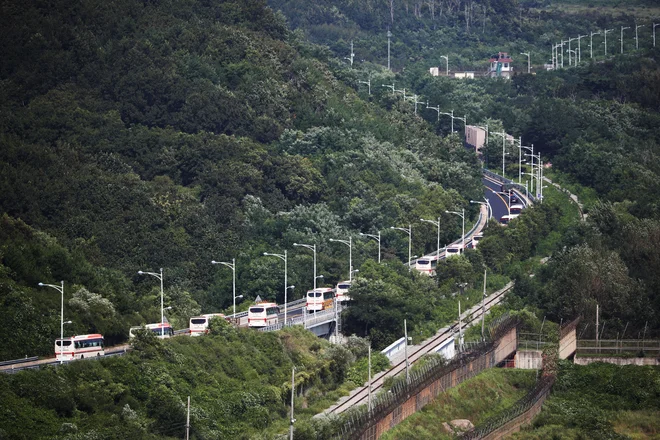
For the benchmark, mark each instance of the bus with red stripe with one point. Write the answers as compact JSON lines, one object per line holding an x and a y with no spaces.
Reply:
{"x":427,"y":265}
{"x":263,"y":315}
{"x":199,"y":325}
{"x":79,"y":347}
{"x":322,"y":298}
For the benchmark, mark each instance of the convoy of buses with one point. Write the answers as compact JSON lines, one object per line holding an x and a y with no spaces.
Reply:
{"x":260,"y":315}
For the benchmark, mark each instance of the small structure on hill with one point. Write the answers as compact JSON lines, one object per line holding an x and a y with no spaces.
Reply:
{"x":500,"y":66}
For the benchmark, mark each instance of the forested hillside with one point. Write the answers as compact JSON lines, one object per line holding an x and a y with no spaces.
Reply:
{"x":140,"y":135}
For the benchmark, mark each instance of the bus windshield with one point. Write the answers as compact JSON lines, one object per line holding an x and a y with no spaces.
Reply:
{"x":198,"y":321}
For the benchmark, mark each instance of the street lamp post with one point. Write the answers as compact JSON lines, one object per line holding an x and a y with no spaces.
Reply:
{"x":311,"y":247}
{"x":489,"y":208}
{"x":591,"y":44}
{"x":462,"y":214}
{"x":437,"y":109}
{"x":580,"y":37}
{"x":160,"y":277}
{"x":637,"y":35}
{"x":605,"y":31}
{"x":408,"y":231}
{"x":389,"y":86}
{"x":437,"y":224}
{"x":569,"y":49}
{"x":368,"y":83}
{"x":503,"y":134}
{"x":60,"y":289}
{"x":348,"y":243}
{"x":414,"y":98}
{"x":622,"y":29}
{"x":284,"y":258}
{"x":375,"y":237}
{"x":529,"y":65}
{"x":530,"y":149}
{"x":447,"y":60}
{"x":561,"y":52}
{"x":232,"y":266}
{"x":464,"y":119}
{"x":452,"y":119}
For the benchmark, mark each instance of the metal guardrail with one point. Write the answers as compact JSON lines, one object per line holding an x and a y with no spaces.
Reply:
{"x":20,"y":361}
{"x":308,"y":320}
{"x":501,"y":179}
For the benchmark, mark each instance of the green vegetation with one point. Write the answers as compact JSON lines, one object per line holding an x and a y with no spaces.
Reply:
{"x":476,"y":400}
{"x":239,"y":382}
{"x":600,"y":401}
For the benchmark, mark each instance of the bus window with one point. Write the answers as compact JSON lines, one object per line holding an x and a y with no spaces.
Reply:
{"x":453,"y":250}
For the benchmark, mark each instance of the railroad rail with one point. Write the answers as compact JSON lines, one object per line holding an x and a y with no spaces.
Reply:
{"x":468,"y":318}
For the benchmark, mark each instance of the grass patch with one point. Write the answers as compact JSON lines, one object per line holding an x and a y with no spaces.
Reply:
{"x":638,"y":425}
{"x":476,"y":399}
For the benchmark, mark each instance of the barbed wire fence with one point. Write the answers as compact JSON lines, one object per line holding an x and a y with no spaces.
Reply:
{"x":521,"y":412}
{"x":424,"y":385}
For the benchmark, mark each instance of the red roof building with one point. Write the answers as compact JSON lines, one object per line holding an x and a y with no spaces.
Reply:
{"x":501,"y":66}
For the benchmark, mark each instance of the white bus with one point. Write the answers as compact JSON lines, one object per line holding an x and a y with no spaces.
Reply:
{"x":475,"y":240}
{"x":427,"y":265}
{"x":79,"y":347}
{"x":342,"y":291}
{"x":199,"y":325}
{"x":516,"y":208}
{"x":162,"y":331}
{"x":263,"y":315}
{"x":505,"y":219}
{"x":453,"y":250}
{"x":320,"y":299}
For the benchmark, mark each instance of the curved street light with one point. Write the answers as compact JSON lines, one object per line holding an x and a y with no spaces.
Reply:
{"x":160,"y":277}
{"x":408,"y":231}
{"x":462,"y":215}
{"x":437,"y":224}
{"x":311,"y":247}
{"x":284,"y":258}
{"x":488,"y":208}
{"x":375,"y":237}
{"x":60,"y":289}
{"x":232,"y":266}
{"x":348,"y":243}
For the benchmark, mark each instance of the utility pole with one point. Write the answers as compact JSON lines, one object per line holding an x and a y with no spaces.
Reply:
{"x":596,"y":325}
{"x":350,"y":58}
{"x":293,"y":387}
{"x":188,"y":421}
{"x":405,"y":334}
{"x":389,"y":36}
{"x":369,"y":395}
{"x":460,"y":327}
{"x":483,"y":308}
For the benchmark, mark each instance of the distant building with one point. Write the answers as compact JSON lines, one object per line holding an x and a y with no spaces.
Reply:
{"x":464,"y":75}
{"x":475,"y":137}
{"x":435,"y":71}
{"x":500,"y":66}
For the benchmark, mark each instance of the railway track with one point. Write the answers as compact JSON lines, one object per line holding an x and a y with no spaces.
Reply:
{"x":468,"y":318}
